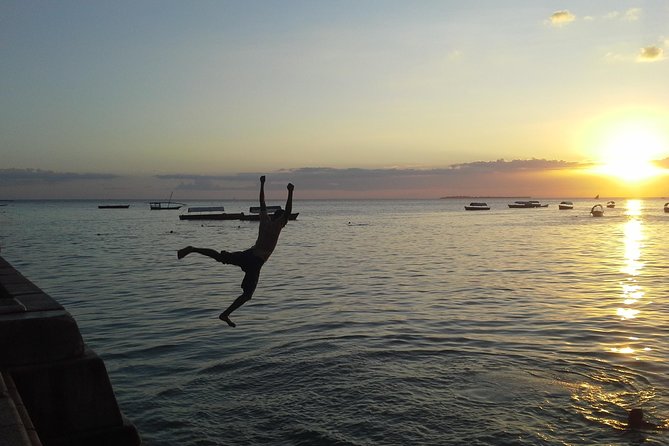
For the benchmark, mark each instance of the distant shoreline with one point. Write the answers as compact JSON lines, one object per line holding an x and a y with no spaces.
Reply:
{"x":459,"y":197}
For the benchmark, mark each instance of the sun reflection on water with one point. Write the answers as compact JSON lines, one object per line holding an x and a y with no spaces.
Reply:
{"x":632,"y":292}
{"x":633,"y":231}
{"x":606,"y":397}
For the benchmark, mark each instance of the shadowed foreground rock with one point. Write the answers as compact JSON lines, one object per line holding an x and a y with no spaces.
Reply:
{"x":53,"y":389}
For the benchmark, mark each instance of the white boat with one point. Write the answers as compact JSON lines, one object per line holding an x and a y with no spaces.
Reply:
{"x":611,"y":204}
{"x":477,"y":207}
{"x":566,"y":205}
{"x":597,"y":210}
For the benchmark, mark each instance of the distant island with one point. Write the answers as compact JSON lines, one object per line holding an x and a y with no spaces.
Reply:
{"x":452,"y":197}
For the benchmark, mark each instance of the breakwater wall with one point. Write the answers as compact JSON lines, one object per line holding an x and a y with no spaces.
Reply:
{"x":54,"y":390}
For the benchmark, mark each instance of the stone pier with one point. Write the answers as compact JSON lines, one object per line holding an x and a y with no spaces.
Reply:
{"x":53,"y":389}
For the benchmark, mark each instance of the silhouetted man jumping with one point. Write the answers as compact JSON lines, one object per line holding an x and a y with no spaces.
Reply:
{"x":251,"y":260}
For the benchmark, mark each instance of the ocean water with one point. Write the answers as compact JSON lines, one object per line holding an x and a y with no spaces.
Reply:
{"x":374,"y":322}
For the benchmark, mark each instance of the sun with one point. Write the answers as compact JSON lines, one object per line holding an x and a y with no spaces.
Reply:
{"x":628,"y":149}
{"x":629,"y":153}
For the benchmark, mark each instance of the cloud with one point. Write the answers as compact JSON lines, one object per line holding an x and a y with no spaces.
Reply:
{"x":631,"y":15}
{"x":13,"y":176}
{"x":502,"y":165}
{"x":518,"y":177}
{"x":560,"y":18}
{"x":204,"y":183}
{"x":378,"y":182}
{"x":664,"y":163}
{"x":650,"y":54}
{"x":615,"y":57}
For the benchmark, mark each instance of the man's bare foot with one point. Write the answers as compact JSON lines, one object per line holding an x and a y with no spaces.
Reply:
{"x":227,"y":320}
{"x":184,"y":252}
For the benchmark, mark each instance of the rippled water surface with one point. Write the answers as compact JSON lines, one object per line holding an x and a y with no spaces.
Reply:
{"x":375,"y":322}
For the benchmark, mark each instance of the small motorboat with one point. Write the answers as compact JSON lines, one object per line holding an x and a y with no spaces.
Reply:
{"x":566,"y":205}
{"x":666,"y":207}
{"x":527,"y":204}
{"x":597,"y":210}
{"x":477,"y":207}
{"x":611,"y":204}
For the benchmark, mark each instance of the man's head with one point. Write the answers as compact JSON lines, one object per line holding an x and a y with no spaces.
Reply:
{"x":635,"y":418}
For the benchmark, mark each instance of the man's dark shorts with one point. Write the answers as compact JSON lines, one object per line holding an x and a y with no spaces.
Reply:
{"x":249,"y":263}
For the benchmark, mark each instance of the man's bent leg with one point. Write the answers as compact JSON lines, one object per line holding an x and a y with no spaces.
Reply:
{"x":204,"y":251}
{"x":249,"y":286}
{"x":225,"y":316}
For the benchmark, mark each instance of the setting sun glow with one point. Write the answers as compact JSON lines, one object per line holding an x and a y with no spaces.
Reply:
{"x":629,"y":150}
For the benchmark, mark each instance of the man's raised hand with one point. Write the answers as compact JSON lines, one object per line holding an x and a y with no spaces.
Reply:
{"x":290,"y":187}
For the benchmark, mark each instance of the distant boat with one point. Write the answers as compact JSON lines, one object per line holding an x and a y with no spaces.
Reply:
{"x":113,"y":206}
{"x":597,"y":210}
{"x":527,"y":204}
{"x":477,"y":207}
{"x":166,"y":205}
{"x":255,"y":213}
{"x":566,"y":205}
{"x":666,"y":207}
{"x":611,"y":204}
{"x":218,"y":213}
{"x":520,"y":205}
{"x":210,"y":213}
{"x":597,"y":197}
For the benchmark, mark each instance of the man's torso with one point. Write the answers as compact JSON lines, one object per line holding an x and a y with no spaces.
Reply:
{"x":268,"y":236}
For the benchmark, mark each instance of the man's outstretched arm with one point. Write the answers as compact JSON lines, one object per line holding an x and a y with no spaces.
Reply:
{"x":263,"y":206}
{"x":289,"y":201}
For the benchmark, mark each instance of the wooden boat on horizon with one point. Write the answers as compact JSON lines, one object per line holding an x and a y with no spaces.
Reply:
{"x":565,"y":205}
{"x":597,"y":210}
{"x":113,"y":206}
{"x":209,"y":213}
{"x":218,"y":213}
{"x":165,"y":205}
{"x":255,"y":213}
{"x":477,"y":207}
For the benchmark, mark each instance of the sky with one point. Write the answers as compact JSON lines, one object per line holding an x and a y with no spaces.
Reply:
{"x":346,"y":99}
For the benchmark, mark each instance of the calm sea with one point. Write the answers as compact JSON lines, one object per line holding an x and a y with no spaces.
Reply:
{"x":374,"y":323}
